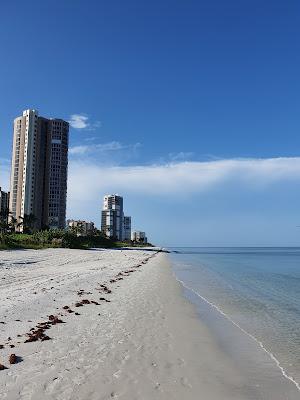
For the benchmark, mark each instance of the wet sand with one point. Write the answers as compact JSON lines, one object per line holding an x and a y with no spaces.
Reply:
{"x":102,"y":324}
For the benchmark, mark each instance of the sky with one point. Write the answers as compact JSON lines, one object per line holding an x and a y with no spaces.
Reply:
{"x":187,"y":108}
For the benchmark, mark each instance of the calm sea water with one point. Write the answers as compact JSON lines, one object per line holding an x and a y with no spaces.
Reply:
{"x":256,"y":288}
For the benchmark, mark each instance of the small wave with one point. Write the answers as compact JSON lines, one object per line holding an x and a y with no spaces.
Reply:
{"x":270,"y":354}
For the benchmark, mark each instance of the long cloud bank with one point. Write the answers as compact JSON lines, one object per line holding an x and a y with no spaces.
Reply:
{"x":86,"y":180}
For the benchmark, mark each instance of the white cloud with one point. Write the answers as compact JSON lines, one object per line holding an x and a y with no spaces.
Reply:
{"x":78,"y":121}
{"x":100,"y":147}
{"x":181,"y":156}
{"x":79,"y":150}
{"x":81,"y":121}
{"x":182,"y":178}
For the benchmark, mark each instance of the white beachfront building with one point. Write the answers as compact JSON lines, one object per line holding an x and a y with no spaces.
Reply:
{"x":112,"y":216}
{"x":139,"y":237}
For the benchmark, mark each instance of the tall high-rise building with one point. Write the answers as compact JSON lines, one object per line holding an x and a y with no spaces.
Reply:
{"x":127,"y":228}
{"x":112,"y":216}
{"x":39,"y":170}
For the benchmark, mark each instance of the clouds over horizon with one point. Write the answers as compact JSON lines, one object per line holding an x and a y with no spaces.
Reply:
{"x":181,"y":177}
{"x":211,"y":200}
{"x":168,"y":178}
{"x":215,"y":203}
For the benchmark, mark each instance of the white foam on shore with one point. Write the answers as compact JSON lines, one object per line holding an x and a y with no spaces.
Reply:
{"x":270,"y":354}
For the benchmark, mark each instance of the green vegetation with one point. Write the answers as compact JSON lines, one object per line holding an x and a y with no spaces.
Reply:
{"x":52,"y":238}
{"x":10,"y":224}
{"x":58,"y":238}
{"x":30,"y":239}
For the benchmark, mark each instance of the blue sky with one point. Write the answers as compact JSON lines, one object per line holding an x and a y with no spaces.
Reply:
{"x":190,"y":109}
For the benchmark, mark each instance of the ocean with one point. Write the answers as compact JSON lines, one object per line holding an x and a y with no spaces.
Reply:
{"x":248,"y":297}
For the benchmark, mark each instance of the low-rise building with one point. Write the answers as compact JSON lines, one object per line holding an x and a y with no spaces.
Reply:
{"x":81,"y":228}
{"x":139,"y":237}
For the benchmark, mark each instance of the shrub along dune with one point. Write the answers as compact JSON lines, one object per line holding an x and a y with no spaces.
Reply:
{"x":53,"y":238}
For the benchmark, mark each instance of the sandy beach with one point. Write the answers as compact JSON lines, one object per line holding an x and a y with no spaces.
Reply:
{"x":102,"y":324}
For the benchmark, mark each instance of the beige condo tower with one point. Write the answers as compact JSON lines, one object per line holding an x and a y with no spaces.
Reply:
{"x":39,"y":170}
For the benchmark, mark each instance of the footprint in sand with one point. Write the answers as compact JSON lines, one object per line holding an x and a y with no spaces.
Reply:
{"x":180,"y":361}
{"x":66,"y":394}
{"x":79,"y":379}
{"x":117,"y":374}
{"x":27,"y":391}
{"x":184,"y":382}
{"x":50,"y":386}
{"x":125,"y":358}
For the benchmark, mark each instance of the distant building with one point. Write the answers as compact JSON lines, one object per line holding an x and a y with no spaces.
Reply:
{"x":112,"y":217}
{"x":82,"y":228}
{"x":4,"y":203}
{"x":127,"y":228}
{"x":39,"y":170}
{"x":139,"y":237}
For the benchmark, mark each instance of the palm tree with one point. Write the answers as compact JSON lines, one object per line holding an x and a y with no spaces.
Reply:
{"x":27,"y":222}
{"x":4,"y":221}
{"x":77,"y":229}
{"x":13,"y":223}
{"x":3,"y":226}
{"x":80,"y":229}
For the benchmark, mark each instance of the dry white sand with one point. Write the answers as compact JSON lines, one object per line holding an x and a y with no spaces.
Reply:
{"x":146,"y":343}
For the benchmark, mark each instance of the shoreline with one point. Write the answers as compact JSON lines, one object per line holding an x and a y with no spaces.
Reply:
{"x":147,"y":341}
{"x":252,"y":337}
{"x":274,"y":380}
